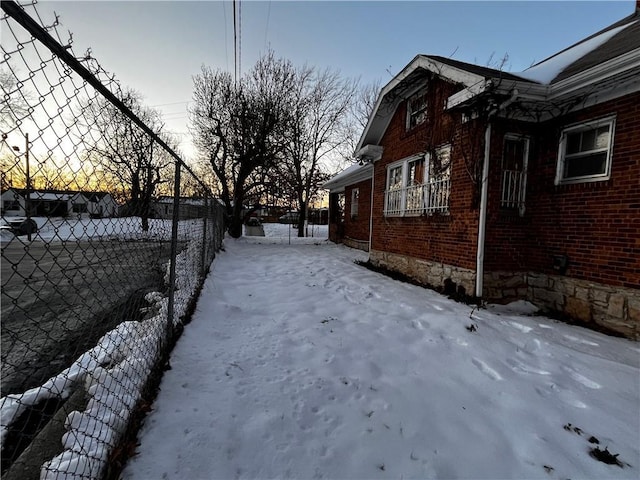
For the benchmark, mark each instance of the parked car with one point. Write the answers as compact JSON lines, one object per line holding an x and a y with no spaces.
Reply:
{"x":22,"y":226}
{"x":289,"y":217}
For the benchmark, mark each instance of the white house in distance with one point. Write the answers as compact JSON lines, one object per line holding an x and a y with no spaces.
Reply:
{"x":55,"y":203}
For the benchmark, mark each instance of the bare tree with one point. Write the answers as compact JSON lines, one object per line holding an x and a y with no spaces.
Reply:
{"x":320,"y":103}
{"x":365,"y":103}
{"x":14,"y":105}
{"x":238,"y":127}
{"x":126,"y":151}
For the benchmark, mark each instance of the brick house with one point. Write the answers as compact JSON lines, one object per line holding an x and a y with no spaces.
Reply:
{"x":350,"y":206}
{"x":510,"y":185}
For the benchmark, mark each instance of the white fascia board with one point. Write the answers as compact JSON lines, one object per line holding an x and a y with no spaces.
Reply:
{"x":349,"y":176}
{"x":454,"y":74}
{"x":466,"y":94}
{"x":595,"y":98}
{"x":600,"y":72}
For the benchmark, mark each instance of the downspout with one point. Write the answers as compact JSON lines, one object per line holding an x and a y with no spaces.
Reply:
{"x":373,"y":179}
{"x":482,"y":222}
{"x":484,"y":194}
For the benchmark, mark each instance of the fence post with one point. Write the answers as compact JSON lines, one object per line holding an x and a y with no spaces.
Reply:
{"x":174,"y":251}
{"x":203,"y":257}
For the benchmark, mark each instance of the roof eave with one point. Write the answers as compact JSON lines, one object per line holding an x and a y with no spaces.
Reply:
{"x":336,"y":185}
{"x":615,"y":66}
{"x":372,"y":135}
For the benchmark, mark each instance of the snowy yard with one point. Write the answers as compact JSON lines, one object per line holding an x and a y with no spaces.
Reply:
{"x":301,"y":364}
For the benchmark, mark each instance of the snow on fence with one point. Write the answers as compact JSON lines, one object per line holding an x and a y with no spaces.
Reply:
{"x":106,"y":236}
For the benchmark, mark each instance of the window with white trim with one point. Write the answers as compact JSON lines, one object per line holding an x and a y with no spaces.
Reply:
{"x":355,"y":197}
{"x":416,"y":109}
{"x":515,"y":155}
{"x":419,"y":184}
{"x":585,"y":151}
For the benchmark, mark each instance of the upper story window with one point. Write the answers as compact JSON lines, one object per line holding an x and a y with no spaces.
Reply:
{"x":416,"y":109}
{"x":585,"y":151}
{"x":419,"y":184}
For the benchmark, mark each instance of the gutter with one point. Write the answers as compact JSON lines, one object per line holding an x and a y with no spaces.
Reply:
{"x":482,"y":221}
{"x":484,"y":194}
{"x":373,"y":180}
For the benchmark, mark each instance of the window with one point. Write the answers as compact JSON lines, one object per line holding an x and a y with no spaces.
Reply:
{"x":79,"y":208}
{"x":439,"y":181}
{"x":355,"y":196}
{"x":585,"y":152}
{"x":419,"y":184}
{"x":514,"y":172}
{"x":11,"y":205}
{"x":416,"y":110}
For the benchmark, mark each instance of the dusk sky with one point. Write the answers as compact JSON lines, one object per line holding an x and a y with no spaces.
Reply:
{"x":156,"y":47}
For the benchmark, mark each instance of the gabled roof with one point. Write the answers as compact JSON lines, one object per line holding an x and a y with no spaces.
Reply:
{"x":605,"y":45}
{"x":607,"y":61}
{"x":416,"y":73}
{"x":485,"y":72}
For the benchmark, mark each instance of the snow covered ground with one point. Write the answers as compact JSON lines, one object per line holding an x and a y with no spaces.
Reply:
{"x":70,"y":229}
{"x":299,"y":363}
{"x":282,"y":233}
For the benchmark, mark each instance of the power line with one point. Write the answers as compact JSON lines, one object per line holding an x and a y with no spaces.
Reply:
{"x":239,"y":38}
{"x":235,"y":44}
{"x":172,"y":103}
{"x":266,"y":29}
{"x":226,"y":34}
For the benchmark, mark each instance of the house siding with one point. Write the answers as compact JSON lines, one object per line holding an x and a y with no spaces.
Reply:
{"x":595,"y":225}
{"x":356,"y":228}
{"x":422,"y":246}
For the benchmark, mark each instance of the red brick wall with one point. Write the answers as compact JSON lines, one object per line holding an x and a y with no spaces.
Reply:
{"x":507,"y":232}
{"x":449,"y":238}
{"x":596,"y":225}
{"x":358,"y":227}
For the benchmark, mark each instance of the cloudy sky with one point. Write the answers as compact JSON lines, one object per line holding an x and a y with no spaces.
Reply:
{"x":156,"y":47}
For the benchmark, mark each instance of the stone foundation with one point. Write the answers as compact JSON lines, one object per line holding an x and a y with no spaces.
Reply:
{"x":504,"y":287}
{"x":614,"y":308}
{"x":354,"y":243}
{"x":425,"y":272}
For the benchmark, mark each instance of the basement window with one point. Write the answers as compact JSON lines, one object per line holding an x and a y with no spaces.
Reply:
{"x":585,"y":151}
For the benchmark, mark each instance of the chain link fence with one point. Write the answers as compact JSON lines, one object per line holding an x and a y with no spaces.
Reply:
{"x":106,"y":238}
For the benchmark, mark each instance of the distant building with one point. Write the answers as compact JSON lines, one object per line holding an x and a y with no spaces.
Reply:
{"x":58,"y":203}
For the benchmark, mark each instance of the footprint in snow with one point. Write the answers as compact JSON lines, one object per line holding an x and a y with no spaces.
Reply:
{"x":580,"y":340}
{"x":519,"y":326}
{"x":520,"y":367}
{"x":581,"y":379}
{"x":486,"y":369}
{"x":417,"y":324}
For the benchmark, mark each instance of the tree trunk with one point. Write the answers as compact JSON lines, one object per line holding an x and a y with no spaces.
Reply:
{"x":235,"y":222}
{"x":301,"y":217}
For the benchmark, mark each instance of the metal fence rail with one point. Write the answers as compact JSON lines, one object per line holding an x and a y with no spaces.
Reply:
{"x":106,"y":238}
